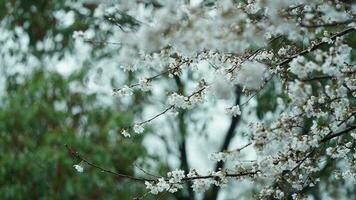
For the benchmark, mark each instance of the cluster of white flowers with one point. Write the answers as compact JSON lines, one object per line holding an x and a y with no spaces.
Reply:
{"x":202,"y":185}
{"x":258,"y":45}
{"x":234,"y":110}
{"x":178,"y":101}
{"x":175,"y":179}
{"x":340,"y":151}
{"x":124,"y":91}
{"x":160,"y":186}
{"x":171,"y":184}
{"x":264,"y":56}
{"x":144,"y":84}
{"x":125,"y":133}
{"x":79,"y":168}
{"x":78,"y":34}
{"x":176,"y":176}
{"x":138,"y":128}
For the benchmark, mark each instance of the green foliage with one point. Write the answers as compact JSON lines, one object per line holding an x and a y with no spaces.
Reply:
{"x":39,"y":115}
{"x":42,"y":112}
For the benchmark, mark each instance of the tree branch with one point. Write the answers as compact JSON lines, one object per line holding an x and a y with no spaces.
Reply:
{"x":76,"y":155}
{"x":316,"y":46}
{"x":331,"y":136}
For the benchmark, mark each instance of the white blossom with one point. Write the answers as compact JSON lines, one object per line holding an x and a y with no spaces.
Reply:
{"x":138,"y":128}
{"x":124,"y":91}
{"x":78,"y":34}
{"x":158,"y":187}
{"x":251,"y":75}
{"x":202,"y":185}
{"x":234,"y":110}
{"x":79,"y":168}
{"x":178,"y":101}
{"x":145,"y":84}
{"x":125,"y":133}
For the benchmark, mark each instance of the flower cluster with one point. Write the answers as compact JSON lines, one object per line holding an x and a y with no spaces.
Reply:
{"x":292,"y":58}
{"x":79,"y":168}
{"x":171,"y":184}
{"x":234,"y":110}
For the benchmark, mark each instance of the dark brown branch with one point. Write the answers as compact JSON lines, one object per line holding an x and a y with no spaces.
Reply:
{"x":303,"y":160}
{"x":333,"y":24}
{"x":76,"y":155}
{"x":316,"y":46}
{"x":325,"y":139}
{"x":145,"y":171}
{"x":171,"y":107}
{"x":162,"y":73}
{"x":227,"y":175}
{"x":102,"y":42}
{"x":157,"y":115}
{"x":80,"y":158}
{"x":331,"y":136}
{"x":312,"y":150}
{"x":254,"y":53}
{"x":318,"y":78}
{"x":347,"y":118}
{"x":323,"y":77}
{"x":241,"y":148}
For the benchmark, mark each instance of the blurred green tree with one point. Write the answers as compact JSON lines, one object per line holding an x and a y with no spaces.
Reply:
{"x":38,"y":117}
{"x":41,"y":112}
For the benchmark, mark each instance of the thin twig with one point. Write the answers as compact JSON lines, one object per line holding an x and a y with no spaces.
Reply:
{"x":316,"y":46}
{"x":145,"y":171}
{"x":171,"y":107}
{"x":241,"y":148}
{"x":82,"y":159}
{"x":333,"y":24}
